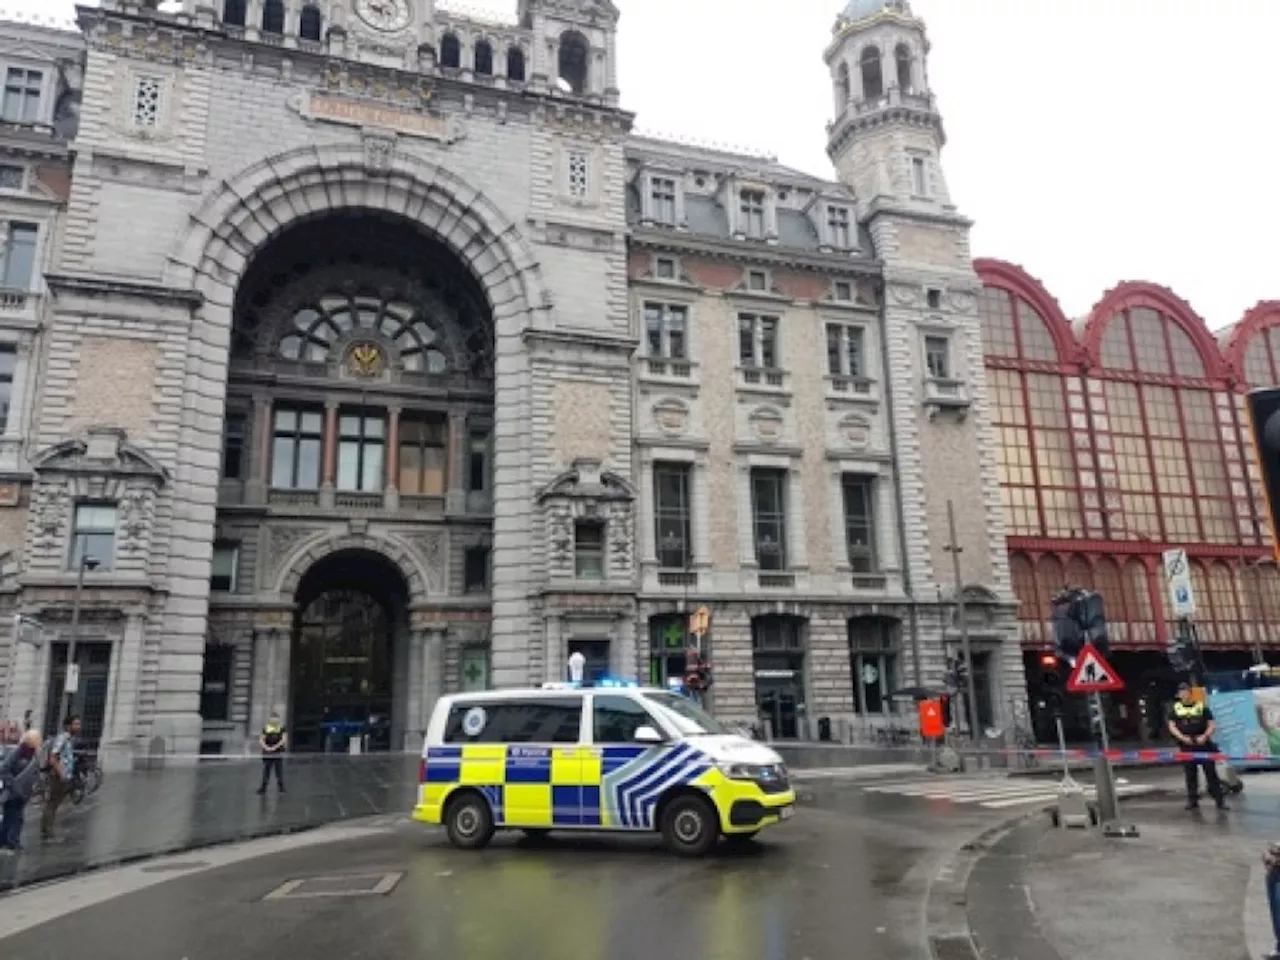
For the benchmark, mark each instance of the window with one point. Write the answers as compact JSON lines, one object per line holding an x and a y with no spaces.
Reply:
{"x":515,"y":64}
{"x":295,"y":449}
{"x":839,"y":227}
{"x":937,"y":357}
{"x":273,"y":16}
{"x":616,"y":719}
{"x":484,"y":58}
{"x":573,"y":61}
{"x":226,"y":566}
{"x":22,"y":95}
{"x":20,"y":256}
{"x":146,"y":102}
{"x":844,"y":350}
{"x":919,"y":177}
{"x":843,"y":290}
{"x":751,"y":209}
{"x":12,"y":178}
{"x":475,"y":573}
{"x":872,"y":74}
{"x":859,"y":523}
{"x":577,"y":175}
{"x":215,"y":685}
{"x":768,"y":506}
{"x":450,"y":52}
{"x":361,"y":451}
{"x":903,"y":57}
{"x":933,"y":297}
{"x":233,"y":13}
{"x":8,"y":366}
{"x":477,"y":468}
{"x":665,"y":268}
{"x":311,"y":24}
{"x":758,"y":341}
{"x":662,"y":193}
{"x":536,"y":720}
{"x":873,"y":656}
{"x":666,"y":327}
{"x":673,"y":526}
{"x":588,"y":550}
{"x":757,"y":280}
{"x":93,"y":535}
{"x":423,"y":457}
{"x":235,"y":436}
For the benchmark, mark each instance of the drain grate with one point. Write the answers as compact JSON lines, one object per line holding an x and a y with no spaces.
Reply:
{"x":355,"y":885}
{"x":176,"y":867}
{"x":953,"y":948}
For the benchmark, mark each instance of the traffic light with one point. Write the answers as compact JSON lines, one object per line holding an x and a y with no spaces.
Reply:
{"x":1263,"y":407}
{"x":1079,"y":617}
{"x":1049,"y":669}
{"x":945,"y":702}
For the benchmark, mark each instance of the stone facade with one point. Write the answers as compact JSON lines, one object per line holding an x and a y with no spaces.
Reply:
{"x":644,"y":377}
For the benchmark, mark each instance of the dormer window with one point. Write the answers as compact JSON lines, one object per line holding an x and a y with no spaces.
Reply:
{"x":662,"y":194}
{"x":233,"y":13}
{"x":757,"y":280}
{"x":751,"y":211}
{"x":22,"y":90}
{"x":840,"y":227}
{"x":664,"y":268}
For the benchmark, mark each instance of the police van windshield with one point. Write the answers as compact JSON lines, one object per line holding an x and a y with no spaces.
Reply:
{"x":685,"y":715}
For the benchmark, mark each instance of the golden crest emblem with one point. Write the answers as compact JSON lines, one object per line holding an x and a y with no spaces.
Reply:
{"x":365,"y":360}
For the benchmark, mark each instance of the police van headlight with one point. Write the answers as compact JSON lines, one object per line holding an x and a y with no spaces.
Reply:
{"x":749,"y":771}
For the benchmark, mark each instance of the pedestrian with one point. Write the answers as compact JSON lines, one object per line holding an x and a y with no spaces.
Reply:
{"x":61,"y":767}
{"x":1271,"y":859}
{"x":274,"y":740}
{"x":18,"y":776}
{"x":1192,"y":725}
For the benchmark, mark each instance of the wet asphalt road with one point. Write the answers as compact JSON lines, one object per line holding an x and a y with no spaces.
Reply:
{"x":847,"y":877}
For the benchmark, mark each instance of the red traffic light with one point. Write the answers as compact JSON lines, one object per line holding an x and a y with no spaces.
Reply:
{"x":1048,"y":660}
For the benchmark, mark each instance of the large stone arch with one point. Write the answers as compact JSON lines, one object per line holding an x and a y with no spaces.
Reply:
{"x":398,"y":553}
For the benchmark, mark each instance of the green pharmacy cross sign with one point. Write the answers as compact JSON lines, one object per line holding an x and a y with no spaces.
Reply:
{"x":673,"y":636}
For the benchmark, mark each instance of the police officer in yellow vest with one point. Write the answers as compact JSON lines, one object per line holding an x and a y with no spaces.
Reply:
{"x":273,"y":740}
{"x":1192,"y":725}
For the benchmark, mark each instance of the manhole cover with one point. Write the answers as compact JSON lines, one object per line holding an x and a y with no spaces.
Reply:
{"x":356,"y":885}
{"x":176,"y":867}
{"x":953,"y":948}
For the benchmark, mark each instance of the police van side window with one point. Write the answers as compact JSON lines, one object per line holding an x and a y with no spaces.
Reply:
{"x":526,"y":721}
{"x":616,"y":719}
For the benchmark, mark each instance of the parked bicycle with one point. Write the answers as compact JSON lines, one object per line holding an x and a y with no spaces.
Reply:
{"x":86,"y":779}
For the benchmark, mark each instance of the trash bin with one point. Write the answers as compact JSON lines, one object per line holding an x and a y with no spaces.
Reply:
{"x":824,"y":728}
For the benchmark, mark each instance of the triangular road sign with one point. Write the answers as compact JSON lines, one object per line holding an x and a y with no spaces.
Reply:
{"x":1092,"y":674}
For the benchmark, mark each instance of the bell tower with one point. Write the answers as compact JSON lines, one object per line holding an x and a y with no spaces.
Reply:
{"x":886,"y":142}
{"x":575,"y":50}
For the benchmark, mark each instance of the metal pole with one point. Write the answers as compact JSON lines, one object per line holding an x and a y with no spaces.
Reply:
{"x":67,"y":694}
{"x":971,"y":695}
{"x":1062,"y":747}
{"x":1254,"y":608}
{"x":1108,"y":805}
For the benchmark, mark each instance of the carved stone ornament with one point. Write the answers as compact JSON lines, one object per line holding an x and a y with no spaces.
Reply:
{"x":671,"y":416}
{"x":366,"y":360}
{"x":137,"y":518}
{"x":961,"y":301}
{"x":379,"y":153}
{"x":560,"y":532}
{"x":621,"y":539}
{"x":855,"y":431}
{"x":904,"y":294}
{"x":282,"y":542}
{"x":50,"y":509}
{"x":431,"y":547}
{"x":767,"y":424}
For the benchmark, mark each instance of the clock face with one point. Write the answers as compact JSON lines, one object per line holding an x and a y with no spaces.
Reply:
{"x":385,"y":15}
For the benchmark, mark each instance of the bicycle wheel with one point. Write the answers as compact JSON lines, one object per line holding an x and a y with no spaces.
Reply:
{"x":95,"y":779}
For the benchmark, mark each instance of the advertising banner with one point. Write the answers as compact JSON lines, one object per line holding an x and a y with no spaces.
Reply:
{"x":1248,"y":722}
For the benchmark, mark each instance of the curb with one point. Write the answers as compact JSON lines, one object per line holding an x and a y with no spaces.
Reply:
{"x":946,"y":903}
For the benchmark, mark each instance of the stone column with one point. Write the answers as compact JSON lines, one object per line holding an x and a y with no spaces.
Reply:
{"x":392,"y":460}
{"x":456,"y":499}
{"x":123,"y":686}
{"x":329,"y":454}
{"x":255,"y":491}
{"x":431,"y":648}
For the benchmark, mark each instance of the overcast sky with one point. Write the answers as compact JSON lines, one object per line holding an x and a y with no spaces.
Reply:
{"x":1092,"y":141}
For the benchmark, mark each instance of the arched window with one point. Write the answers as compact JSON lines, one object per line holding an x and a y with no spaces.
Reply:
{"x":515,"y":64}
{"x":1106,"y":579}
{"x":335,"y":318}
{"x":1024,"y":587}
{"x":484,"y":58}
{"x":1050,"y":578}
{"x":450,"y":52}
{"x":1226,"y":607}
{"x":574,"y":53}
{"x":311,"y":26}
{"x":872,"y":74}
{"x":233,"y":13}
{"x":273,"y":16}
{"x":1079,"y":573}
{"x":1200,"y":586}
{"x":842,"y":86}
{"x":902,"y":55}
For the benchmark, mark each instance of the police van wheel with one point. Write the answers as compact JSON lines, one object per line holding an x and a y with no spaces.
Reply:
{"x":469,"y":822}
{"x":690,"y":826}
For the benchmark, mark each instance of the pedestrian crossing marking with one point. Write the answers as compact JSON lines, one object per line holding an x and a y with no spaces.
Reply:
{"x":992,"y":793}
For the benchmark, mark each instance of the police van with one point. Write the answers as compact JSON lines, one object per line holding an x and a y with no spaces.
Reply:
{"x":574,"y":757}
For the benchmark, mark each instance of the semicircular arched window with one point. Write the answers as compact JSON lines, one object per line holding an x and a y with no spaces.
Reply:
{"x":336,"y":318}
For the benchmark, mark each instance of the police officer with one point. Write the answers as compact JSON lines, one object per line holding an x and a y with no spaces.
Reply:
{"x":274,"y":740}
{"x":1192,"y":726}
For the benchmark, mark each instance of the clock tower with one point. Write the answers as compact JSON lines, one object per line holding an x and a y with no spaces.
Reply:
{"x":392,"y":33}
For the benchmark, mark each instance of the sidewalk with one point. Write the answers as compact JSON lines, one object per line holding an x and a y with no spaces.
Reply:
{"x":1189,"y":887}
{"x":145,"y":813}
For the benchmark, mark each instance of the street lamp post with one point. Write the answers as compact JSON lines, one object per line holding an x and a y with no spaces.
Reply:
{"x":86,"y":563}
{"x":955,"y":550}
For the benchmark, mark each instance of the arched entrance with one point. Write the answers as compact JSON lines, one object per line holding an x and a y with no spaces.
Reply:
{"x":352,"y":615}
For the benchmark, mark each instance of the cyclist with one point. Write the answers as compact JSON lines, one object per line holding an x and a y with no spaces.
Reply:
{"x":62,"y":766}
